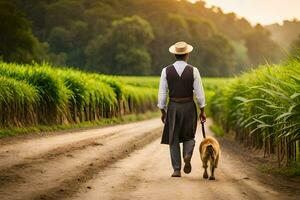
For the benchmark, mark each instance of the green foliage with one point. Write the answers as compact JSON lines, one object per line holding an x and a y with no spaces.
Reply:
{"x":42,"y":95}
{"x":260,"y":47}
{"x":217,"y":63}
{"x":58,"y":39}
{"x":125,"y":49}
{"x":217,"y":130}
{"x":241,"y":58}
{"x":63,"y":12}
{"x":284,"y":34}
{"x":263,"y":108}
{"x":53,"y":93}
{"x":99,"y":15}
{"x":127,"y":37}
{"x":17,"y":42}
{"x":292,"y":171}
{"x":17,"y":101}
{"x":140,"y":81}
{"x":295,"y":48}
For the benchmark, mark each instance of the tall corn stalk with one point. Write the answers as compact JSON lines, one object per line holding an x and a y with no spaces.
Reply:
{"x":263,"y":108}
{"x":42,"y":95}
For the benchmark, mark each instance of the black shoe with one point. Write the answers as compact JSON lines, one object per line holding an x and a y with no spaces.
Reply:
{"x":176,"y":173}
{"x":187,"y":164}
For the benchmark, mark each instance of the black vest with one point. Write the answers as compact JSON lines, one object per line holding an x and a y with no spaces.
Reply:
{"x":180,"y":86}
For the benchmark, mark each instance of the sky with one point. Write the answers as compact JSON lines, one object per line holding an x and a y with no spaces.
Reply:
{"x":260,"y":11}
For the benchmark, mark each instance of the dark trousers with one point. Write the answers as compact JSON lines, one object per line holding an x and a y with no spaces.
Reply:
{"x":188,"y":148}
{"x":180,"y":127}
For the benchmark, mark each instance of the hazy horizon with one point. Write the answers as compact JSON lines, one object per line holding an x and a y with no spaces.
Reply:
{"x":255,"y":10}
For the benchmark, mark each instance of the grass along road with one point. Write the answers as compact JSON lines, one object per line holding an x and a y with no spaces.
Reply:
{"x":124,"y":162}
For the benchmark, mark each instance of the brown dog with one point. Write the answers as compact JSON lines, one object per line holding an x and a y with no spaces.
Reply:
{"x":210,"y":152}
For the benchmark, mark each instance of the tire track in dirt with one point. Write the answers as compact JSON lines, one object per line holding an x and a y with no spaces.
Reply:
{"x":132,"y":164}
{"x":60,"y":175}
{"x":71,"y":184}
{"x":54,"y":154}
{"x":145,"y":175}
{"x":15,"y":152}
{"x":62,"y":150}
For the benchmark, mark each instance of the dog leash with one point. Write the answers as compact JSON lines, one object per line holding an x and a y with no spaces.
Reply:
{"x":203,"y":130}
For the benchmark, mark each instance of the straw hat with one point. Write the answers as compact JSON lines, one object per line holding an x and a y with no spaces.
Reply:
{"x":180,"y":48}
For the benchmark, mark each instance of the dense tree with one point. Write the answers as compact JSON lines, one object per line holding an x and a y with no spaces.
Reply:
{"x":96,"y":35}
{"x":295,"y":47}
{"x":217,"y":56}
{"x":284,"y":34}
{"x":62,"y":13}
{"x":17,"y":42}
{"x":172,"y":29}
{"x":99,"y":16}
{"x":260,"y":47}
{"x":241,"y":58}
{"x":58,"y":39}
{"x":71,"y":41}
{"x":36,"y":13}
{"x":123,"y":47}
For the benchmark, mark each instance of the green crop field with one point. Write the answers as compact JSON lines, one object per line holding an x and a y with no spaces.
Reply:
{"x":32,"y":95}
{"x":263,"y":108}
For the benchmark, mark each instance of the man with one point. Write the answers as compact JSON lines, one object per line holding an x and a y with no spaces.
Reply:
{"x":181,"y":81}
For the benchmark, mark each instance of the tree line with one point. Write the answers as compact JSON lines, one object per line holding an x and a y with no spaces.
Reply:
{"x":131,"y":37}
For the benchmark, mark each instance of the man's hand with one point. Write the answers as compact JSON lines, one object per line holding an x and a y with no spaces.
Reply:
{"x":202,"y":115}
{"x":163,"y":115}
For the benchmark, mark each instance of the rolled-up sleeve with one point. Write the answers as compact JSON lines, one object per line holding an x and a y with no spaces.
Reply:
{"x":163,"y":88}
{"x":198,"y":89}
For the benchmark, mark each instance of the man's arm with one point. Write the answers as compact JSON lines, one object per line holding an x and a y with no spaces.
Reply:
{"x":162,"y":94}
{"x":199,"y":93}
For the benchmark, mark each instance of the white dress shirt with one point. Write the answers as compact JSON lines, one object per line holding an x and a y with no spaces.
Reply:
{"x":163,"y":85}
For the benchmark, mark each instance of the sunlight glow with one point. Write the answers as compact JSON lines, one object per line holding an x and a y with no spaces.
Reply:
{"x":260,"y":11}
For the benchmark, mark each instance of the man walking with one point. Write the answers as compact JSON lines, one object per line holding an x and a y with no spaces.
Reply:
{"x":181,"y":81}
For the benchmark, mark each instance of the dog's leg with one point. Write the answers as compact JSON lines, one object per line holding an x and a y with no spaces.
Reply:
{"x":212,"y":174}
{"x":217,"y":161}
{"x":205,"y":175}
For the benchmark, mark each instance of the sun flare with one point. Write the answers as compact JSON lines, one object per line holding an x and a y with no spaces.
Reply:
{"x":258,"y":11}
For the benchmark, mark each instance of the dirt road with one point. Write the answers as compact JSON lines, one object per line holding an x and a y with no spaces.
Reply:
{"x":125,"y":162}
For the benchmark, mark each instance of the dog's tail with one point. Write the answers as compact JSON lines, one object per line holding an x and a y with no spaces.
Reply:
{"x":210,"y":149}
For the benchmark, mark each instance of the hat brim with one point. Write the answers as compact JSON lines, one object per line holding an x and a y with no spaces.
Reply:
{"x":172,"y":50}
